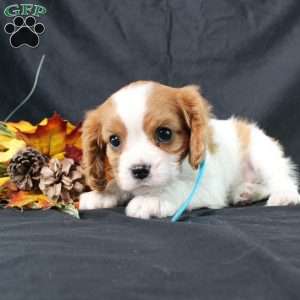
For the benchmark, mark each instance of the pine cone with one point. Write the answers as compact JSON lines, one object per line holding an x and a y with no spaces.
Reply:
{"x":62,"y":180}
{"x":24,"y":168}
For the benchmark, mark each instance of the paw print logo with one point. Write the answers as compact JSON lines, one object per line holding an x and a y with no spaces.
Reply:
{"x":24,"y":32}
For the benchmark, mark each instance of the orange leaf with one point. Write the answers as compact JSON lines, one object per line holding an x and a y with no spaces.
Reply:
{"x":49,"y":139}
{"x":73,"y":144}
{"x":70,"y":127}
{"x":4,"y":180}
{"x":74,"y":153}
{"x":24,"y":126}
{"x":29,"y":200}
{"x":41,"y":203}
{"x":10,"y":147}
{"x":74,"y":137}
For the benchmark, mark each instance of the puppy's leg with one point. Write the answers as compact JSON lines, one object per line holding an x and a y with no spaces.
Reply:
{"x":145,"y":207}
{"x":277,"y":172}
{"x":248,"y":192}
{"x":93,"y":200}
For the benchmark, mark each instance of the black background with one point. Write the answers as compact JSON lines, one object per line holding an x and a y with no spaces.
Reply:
{"x":245,"y":55}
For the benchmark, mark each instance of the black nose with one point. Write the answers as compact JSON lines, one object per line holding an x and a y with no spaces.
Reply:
{"x":140,"y":171}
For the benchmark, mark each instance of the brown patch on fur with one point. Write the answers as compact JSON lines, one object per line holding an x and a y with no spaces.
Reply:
{"x":186,"y":113}
{"x":163,"y":111}
{"x":100,"y":161}
{"x":243,"y":129}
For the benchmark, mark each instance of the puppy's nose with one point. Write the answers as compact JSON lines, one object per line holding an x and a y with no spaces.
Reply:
{"x":140,"y":171}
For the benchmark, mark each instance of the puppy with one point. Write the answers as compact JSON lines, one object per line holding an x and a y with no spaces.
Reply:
{"x":145,"y":143}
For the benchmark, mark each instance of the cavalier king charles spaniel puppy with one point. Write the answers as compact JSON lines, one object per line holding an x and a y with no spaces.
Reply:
{"x":145,"y":143}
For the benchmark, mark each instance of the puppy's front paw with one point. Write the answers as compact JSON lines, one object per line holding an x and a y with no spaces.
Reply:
{"x":93,"y":200}
{"x":143,"y":207}
{"x":283,"y":198}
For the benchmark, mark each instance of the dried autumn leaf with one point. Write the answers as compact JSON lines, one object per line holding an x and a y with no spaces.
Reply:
{"x":7,"y":188}
{"x":74,"y":153}
{"x":3,"y":195}
{"x":5,"y":131}
{"x":59,"y":156}
{"x":49,"y":139}
{"x":74,"y":144}
{"x":41,"y":203}
{"x":22,"y":126}
{"x":4,"y":139}
{"x":3,"y":170}
{"x":70,"y":209}
{"x":8,"y":148}
{"x":4,"y":180}
{"x":25,"y":126}
{"x":70,"y":127}
{"x":74,"y":137}
{"x":29,"y":200}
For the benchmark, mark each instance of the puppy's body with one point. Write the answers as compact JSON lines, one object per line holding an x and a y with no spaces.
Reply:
{"x":243,"y":164}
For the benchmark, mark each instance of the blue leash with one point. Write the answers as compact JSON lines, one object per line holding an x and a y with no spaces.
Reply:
{"x":194,"y":191}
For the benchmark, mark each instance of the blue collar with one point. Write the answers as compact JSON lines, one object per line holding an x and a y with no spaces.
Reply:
{"x":191,"y":196}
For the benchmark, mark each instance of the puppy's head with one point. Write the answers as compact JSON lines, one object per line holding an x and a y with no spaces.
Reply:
{"x":141,"y":134}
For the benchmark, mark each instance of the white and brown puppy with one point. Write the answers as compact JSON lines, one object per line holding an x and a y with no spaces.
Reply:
{"x":146,"y":141}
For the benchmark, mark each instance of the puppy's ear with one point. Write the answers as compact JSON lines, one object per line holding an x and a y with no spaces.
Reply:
{"x":196,"y":112}
{"x":94,"y":151}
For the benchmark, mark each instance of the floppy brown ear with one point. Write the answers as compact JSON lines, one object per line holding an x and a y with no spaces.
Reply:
{"x":196,"y":112}
{"x":94,"y":151}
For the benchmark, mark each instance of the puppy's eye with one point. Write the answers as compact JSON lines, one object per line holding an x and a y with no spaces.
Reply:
{"x":163,"y":135}
{"x":115,"y":141}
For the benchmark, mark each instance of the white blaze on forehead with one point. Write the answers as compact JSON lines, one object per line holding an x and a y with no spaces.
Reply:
{"x":131,"y":104}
